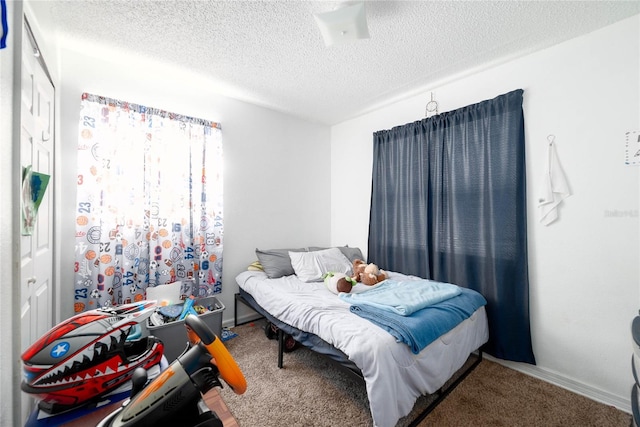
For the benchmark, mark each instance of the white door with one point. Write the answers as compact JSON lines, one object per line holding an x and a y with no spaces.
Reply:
{"x":36,"y":249}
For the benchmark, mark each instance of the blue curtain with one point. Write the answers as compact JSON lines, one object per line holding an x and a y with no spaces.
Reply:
{"x":4,"y":25}
{"x":448,"y":203}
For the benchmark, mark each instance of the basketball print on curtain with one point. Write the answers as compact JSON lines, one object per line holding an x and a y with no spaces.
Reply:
{"x":149,"y":203}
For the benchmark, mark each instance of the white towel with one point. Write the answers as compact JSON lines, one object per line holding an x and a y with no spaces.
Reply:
{"x":554,"y":188}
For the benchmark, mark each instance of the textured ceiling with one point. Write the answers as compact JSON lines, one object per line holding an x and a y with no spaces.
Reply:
{"x":271,"y":53}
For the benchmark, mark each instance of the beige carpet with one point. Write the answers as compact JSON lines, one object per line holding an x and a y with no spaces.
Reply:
{"x":312,"y":391}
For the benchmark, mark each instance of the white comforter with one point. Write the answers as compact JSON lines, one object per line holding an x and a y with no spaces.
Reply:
{"x":394,"y":376}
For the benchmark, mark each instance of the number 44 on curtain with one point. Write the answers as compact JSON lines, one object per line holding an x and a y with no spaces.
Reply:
{"x":632,"y":148}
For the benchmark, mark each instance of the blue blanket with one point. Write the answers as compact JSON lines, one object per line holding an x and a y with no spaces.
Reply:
{"x":403,"y":297}
{"x":424,"y":326}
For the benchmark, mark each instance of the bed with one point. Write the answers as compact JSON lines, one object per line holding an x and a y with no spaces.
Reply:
{"x":394,"y":375}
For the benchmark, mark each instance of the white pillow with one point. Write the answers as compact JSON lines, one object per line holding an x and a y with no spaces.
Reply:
{"x":311,"y":266}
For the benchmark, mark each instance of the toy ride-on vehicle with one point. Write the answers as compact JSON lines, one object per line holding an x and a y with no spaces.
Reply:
{"x":175,"y":396}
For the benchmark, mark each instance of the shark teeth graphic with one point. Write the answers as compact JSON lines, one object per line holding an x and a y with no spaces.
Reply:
{"x":74,"y":369}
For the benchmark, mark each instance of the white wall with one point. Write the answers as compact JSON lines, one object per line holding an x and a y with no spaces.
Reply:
{"x":584,"y":271}
{"x":276,"y":181}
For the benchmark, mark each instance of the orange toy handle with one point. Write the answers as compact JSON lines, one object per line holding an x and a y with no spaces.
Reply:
{"x":198,"y":331}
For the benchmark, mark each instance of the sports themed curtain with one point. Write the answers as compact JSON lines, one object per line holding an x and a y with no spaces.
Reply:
{"x":149,"y":203}
{"x":448,"y":203}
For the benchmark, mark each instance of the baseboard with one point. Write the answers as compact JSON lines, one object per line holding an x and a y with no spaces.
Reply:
{"x":623,"y":404}
{"x":250,"y":317}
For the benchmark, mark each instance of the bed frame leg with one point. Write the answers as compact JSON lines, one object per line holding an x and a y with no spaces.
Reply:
{"x":235,"y":309}
{"x":444,"y":392}
{"x":280,"y":347}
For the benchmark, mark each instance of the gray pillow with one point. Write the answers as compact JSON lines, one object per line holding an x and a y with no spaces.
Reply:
{"x":276,"y":262}
{"x":351,"y":253}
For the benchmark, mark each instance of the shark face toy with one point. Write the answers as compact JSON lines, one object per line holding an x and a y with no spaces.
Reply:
{"x":88,"y":356}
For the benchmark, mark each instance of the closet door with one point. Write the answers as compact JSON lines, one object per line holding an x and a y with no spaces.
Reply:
{"x":36,"y":242}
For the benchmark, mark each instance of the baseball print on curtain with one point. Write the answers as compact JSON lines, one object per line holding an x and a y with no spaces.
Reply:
{"x":149,"y":203}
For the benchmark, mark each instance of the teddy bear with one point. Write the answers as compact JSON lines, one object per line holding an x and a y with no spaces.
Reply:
{"x":357,"y":268}
{"x":367,"y":274}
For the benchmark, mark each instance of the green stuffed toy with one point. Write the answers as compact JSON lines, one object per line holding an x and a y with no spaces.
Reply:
{"x":339,"y":282}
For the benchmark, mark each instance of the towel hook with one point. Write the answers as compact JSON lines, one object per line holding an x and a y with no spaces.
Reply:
{"x":432,"y":106}
{"x":551,"y":138}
